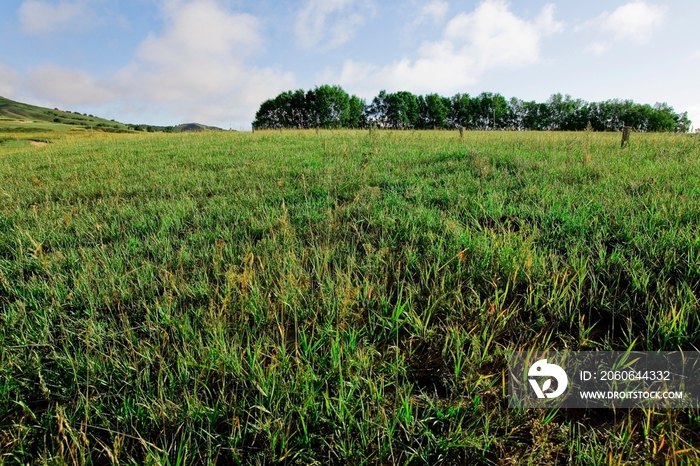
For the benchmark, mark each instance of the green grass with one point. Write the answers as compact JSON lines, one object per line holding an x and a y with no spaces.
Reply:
{"x":337,"y":297}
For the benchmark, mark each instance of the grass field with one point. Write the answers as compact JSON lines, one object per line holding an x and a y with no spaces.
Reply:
{"x":337,"y":297}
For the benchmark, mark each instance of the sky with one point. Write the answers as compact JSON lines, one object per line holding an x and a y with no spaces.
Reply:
{"x":165,"y":62}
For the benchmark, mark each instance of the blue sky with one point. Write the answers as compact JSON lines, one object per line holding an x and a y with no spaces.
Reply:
{"x":214,"y":61}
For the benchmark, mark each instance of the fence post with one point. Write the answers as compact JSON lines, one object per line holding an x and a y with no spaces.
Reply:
{"x":625,"y":136}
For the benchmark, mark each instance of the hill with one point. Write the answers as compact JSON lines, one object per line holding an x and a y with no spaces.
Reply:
{"x":194,"y":127}
{"x":182,"y":128}
{"x":17,"y":117}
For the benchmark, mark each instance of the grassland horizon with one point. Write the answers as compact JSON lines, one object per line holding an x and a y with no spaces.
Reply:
{"x":336,"y":297}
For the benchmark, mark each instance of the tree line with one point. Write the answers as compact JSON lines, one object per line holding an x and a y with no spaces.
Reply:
{"x":331,"y":107}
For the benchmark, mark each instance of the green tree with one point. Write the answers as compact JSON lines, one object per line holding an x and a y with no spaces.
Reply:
{"x":460,"y":111}
{"x":489,"y":111}
{"x":433,"y":111}
{"x":395,"y":110}
{"x":357,"y":116}
{"x":565,"y":113}
{"x":329,"y":107}
{"x":402,"y":110}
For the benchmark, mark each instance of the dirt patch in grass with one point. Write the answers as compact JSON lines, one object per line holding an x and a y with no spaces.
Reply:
{"x":38,"y":143}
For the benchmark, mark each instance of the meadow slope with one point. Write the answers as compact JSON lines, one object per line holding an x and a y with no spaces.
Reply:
{"x":18,"y":117}
{"x":337,"y":297}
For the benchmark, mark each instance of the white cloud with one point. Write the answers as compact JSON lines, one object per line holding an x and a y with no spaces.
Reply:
{"x":196,"y":69}
{"x":201,"y":29}
{"x":694,"y":115}
{"x":489,"y":37}
{"x":634,"y":21}
{"x":328,"y":22}
{"x":42,"y":17}
{"x":597,"y":48}
{"x":198,"y":65}
{"x":546,"y":23}
{"x":433,"y":11}
{"x":9,"y":81}
{"x":67,"y":85}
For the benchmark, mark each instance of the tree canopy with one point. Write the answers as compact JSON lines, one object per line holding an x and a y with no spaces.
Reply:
{"x":331,"y":107}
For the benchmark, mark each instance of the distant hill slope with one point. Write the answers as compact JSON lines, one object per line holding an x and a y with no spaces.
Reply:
{"x":17,"y":117}
{"x":21,"y":117}
{"x":194,"y":127}
{"x":183,"y":128}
